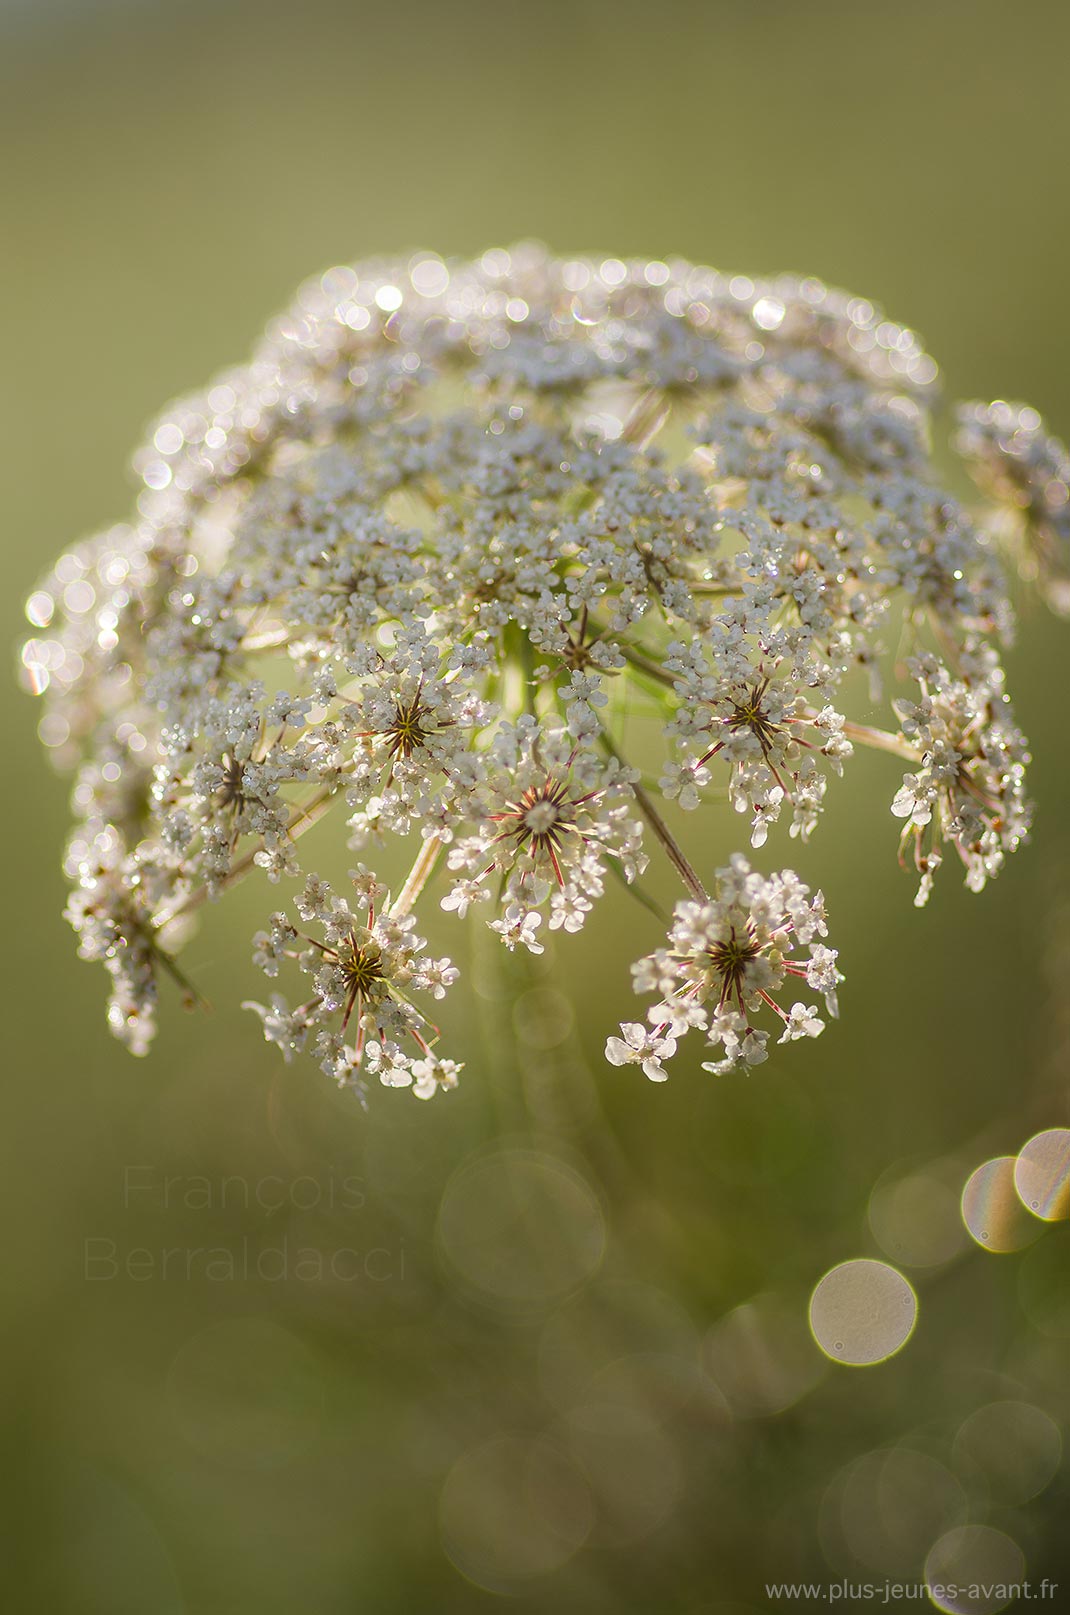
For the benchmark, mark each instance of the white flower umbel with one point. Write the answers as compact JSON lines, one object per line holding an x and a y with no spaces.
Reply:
{"x":363,"y":971}
{"x":553,"y":812}
{"x":725,"y":959}
{"x":1027,"y":472}
{"x":418,"y":564}
{"x":969,"y":786}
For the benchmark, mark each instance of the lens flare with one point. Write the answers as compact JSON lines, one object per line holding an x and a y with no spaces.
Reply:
{"x":862,"y":1312}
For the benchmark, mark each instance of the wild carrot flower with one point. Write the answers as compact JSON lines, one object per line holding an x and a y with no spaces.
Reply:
{"x":1027,"y":472}
{"x":552,"y":813}
{"x":364,"y":972}
{"x":418,"y":564}
{"x":725,"y":959}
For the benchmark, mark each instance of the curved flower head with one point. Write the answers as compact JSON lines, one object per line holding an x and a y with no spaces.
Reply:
{"x":490,"y":563}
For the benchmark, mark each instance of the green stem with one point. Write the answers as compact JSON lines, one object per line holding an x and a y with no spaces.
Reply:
{"x":882,"y":740}
{"x":643,"y":665}
{"x":418,"y":877}
{"x":673,"y":850}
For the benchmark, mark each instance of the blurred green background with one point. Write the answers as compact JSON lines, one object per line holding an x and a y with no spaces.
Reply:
{"x":515,"y":1369}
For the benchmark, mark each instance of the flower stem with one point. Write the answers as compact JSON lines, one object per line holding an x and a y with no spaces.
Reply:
{"x":673,"y":850}
{"x":302,"y":820}
{"x":643,"y":665}
{"x":418,"y":877}
{"x":881,"y":740}
{"x":646,"y":417}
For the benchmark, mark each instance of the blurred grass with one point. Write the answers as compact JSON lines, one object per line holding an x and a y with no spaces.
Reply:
{"x":218,"y":1444}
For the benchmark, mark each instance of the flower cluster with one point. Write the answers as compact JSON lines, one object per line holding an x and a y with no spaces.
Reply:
{"x":471,"y":554}
{"x":725,"y":957}
{"x":552,"y":812}
{"x":1027,"y":473}
{"x":363,"y":974}
{"x":968,"y":791}
{"x":759,"y":719}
